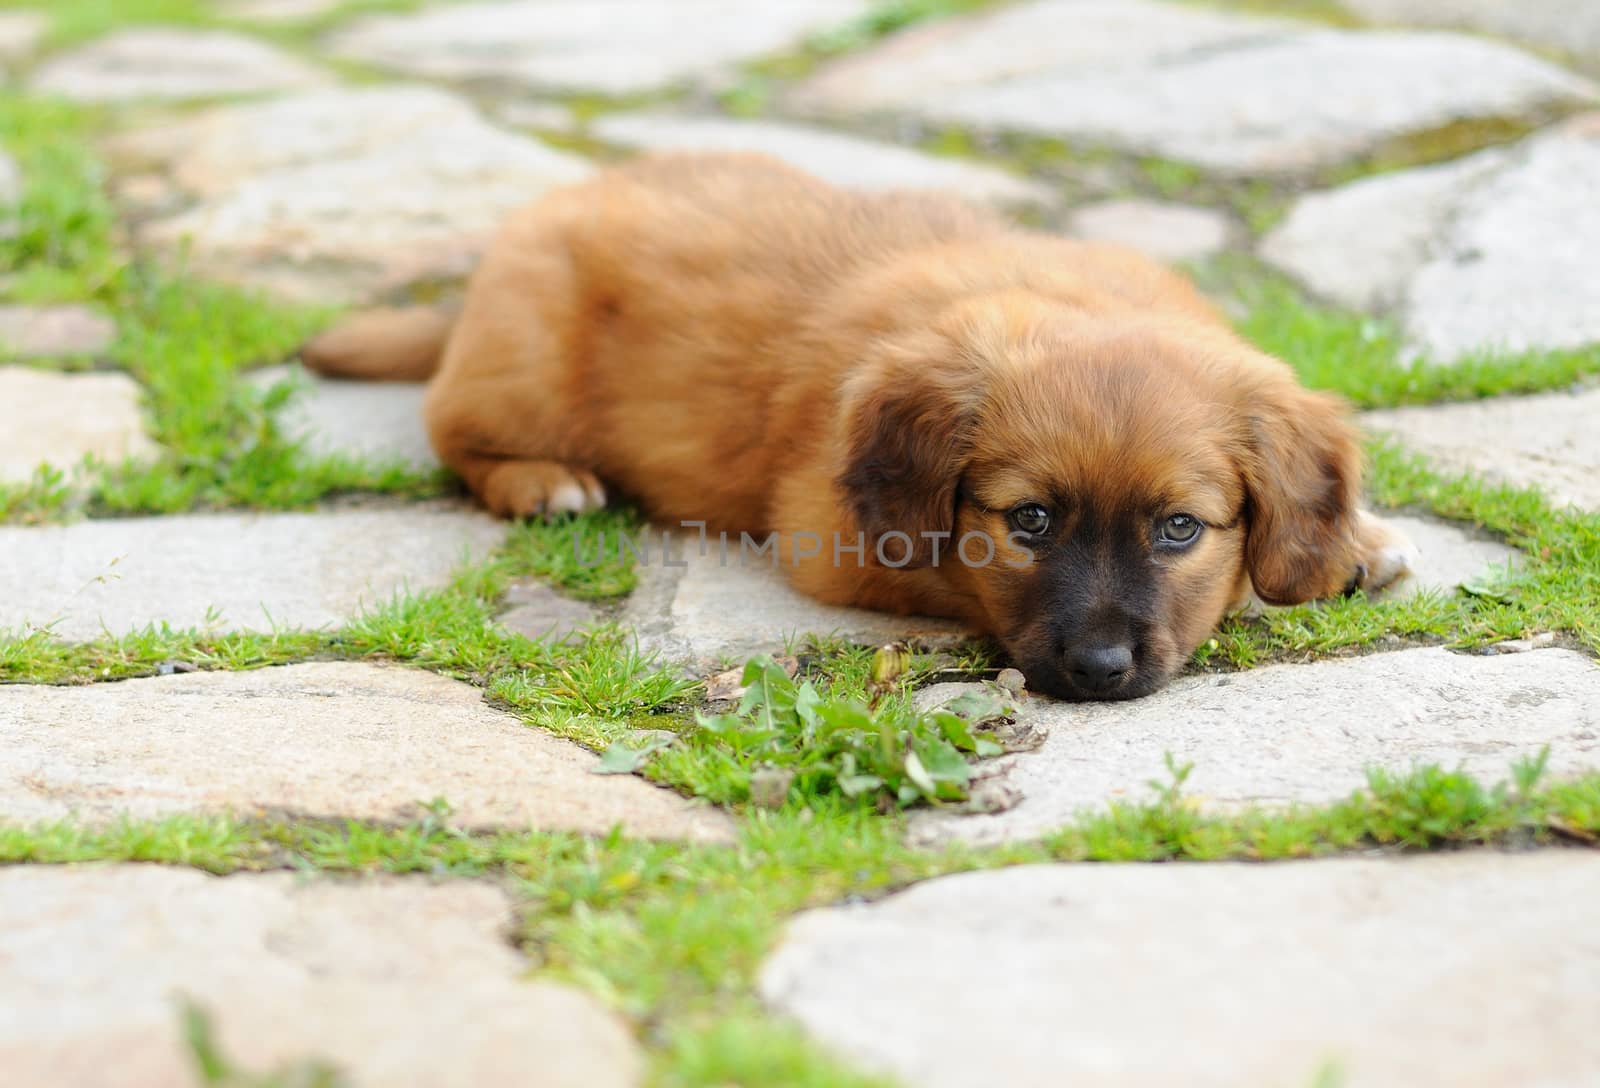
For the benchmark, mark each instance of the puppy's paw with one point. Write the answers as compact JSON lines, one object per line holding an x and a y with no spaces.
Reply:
{"x":1387,"y":556}
{"x":521,"y":489}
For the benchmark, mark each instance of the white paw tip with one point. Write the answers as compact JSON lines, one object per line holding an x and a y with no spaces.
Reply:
{"x":1395,"y":562}
{"x":567,"y":499}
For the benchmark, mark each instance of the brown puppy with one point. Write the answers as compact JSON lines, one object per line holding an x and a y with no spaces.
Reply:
{"x":1060,"y":443}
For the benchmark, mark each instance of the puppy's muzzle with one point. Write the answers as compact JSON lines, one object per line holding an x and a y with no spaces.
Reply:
{"x":1099,"y":669}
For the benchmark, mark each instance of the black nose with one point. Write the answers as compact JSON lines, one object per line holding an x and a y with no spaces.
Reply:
{"x":1097,"y":670}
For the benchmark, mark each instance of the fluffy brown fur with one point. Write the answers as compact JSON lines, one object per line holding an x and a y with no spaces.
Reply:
{"x":729,"y":340}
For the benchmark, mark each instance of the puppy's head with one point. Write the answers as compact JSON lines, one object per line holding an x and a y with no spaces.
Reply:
{"x":1097,"y":495}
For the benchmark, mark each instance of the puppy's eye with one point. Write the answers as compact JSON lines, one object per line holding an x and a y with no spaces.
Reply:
{"x":1179,"y":530}
{"x":1029,"y":518}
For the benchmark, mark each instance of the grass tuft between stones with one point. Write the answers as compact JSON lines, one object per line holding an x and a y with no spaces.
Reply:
{"x":73,"y":22}
{"x":673,"y":935}
{"x":187,"y":342}
{"x":1364,"y":359}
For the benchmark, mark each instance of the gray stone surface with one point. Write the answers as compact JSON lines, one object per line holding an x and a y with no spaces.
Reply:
{"x":1223,"y":90}
{"x":39,"y":331}
{"x":1570,"y":26}
{"x":397,"y":982}
{"x":1479,"y":968}
{"x":536,"y":114}
{"x":705,"y":613}
{"x":1168,"y":232}
{"x":10,"y":193}
{"x":1020,"y":42}
{"x":171,"y":63}
{"x":59,"y":419}
{"x":535,"y":610}
{"x":300,"y":196}
{"x":1449,"y":555}
{"x":1360,"y":245}
{"x":234,"y":571}
{"x":605,"y":46}
{"x":1292,"y":733}
{"x":20,"y":34}
{"x":328,"y":739}
{"x":1494,"y":252}
{"x":368,"y":421}
{"x":843,"y":160}
{"x":1549,"y":440}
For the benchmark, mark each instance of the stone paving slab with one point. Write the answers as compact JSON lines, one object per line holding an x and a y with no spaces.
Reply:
{"x":171,"y":63}
{"x":1492,"y":252}
{"x":1021,"y":42}
{"x":705,"y":614}
{"x":20,"y":35}
{"x":1548,"y":440}
{"x":299,"y":195}
{"x":536,"y":611}
{"x":398,"y":982}
{"x":59,"y":419}
{"x":1569,"y":26}
{"x":367,"y":421}
{"x":1449,"y":555}
{"x":1290,"y":733}
{"x":603,"y":46}
{"x":331,"y":739}
{"x":1479,"y":968}
{"x":536,"y":114}
{"x":1223,"y":90}
{"x":1167,"y":232}
{"x":1403,"y":215}
{"x":243,"y":572}
{"x":44,"y":331}
{"x":10,"y":193}
{"x":843,"y":160}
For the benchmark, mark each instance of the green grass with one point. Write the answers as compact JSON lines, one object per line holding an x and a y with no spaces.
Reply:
{"x":187,"y":341}
{"x":450,"y":630}
{"x":815,"y":770}
{"x":583,"y":556}
{"x":73,"y":21}
{"x":1555,"y":587}
{"x":76,"y":21}
{"x":672,"y":936}
{"x":1363,"y":358}
{"x":787,"y":743}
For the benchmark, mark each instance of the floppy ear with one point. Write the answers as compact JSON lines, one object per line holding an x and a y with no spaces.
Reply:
{"x":909,"y":415}
{"x":1302,"y":472}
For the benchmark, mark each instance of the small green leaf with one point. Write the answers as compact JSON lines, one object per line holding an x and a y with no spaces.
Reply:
{"x":854,"y":785}
{"x":955,"y":730}
{"x":845,"y":715}
{"x":769,"y":693}
{"x":625,"y":758}
{"x":717,"y":723}
{"x":919,"y":775}
{"x":976,"y":707}
{"x":941,"y":762}
{"x":806,"y":703}
{"x":1486,"y":592}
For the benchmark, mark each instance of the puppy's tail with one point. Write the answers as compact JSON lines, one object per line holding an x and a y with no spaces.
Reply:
{"x":402,"y":345}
